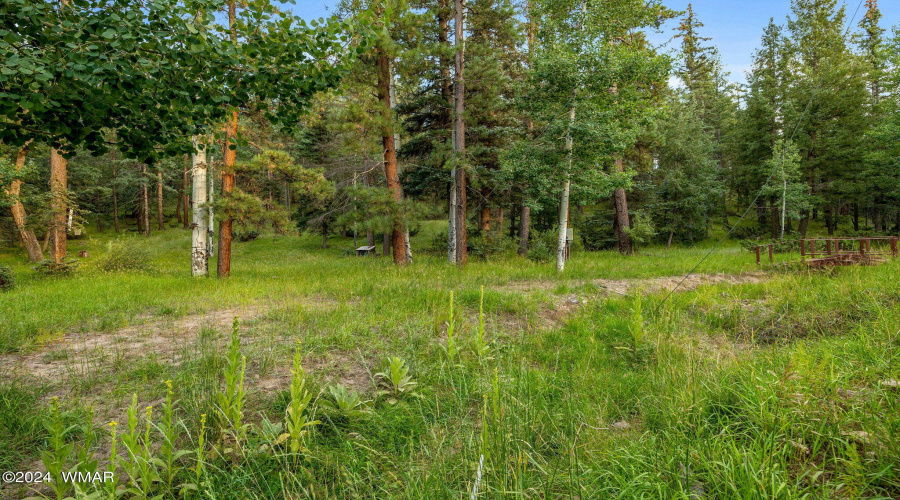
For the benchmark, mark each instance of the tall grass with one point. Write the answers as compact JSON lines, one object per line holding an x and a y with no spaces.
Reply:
{"x":767,"y":390}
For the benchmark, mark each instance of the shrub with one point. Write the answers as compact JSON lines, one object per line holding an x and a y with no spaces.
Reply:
{"x":248,"y":235}
{"x":7,"y":280}
{"x":122,"y":256}
{"x":50,"y":268}
{"x":484,"y":245}
{"x":539,"y":252}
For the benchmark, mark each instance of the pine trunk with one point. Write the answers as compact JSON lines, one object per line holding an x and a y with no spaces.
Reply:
{"x":115,"y":194}
{"x":145,"y":201}
{"x":524,"y":229}
{"x":804,"y":224}
{"x":32,"y":246}
{"x":223,"y":268}
{"x":623,"y":221}
{"x":180,"y":200}
{"x":199,"y":248}
{"x":58,"y":185}
{"x":484,"y":216}
{"x":829,"y":221}
{"x":390,"y":153}
{"x":160,"y":219}
{"x":186,"y":202}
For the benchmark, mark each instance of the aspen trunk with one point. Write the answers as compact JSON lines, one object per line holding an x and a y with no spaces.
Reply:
{"x":447,"y":95}
{"x":623,"y":221}
{"x":390,"y":153}
{"x":564,"y":199}
{"x":229,"y":155}
{"x":32,"y":246}
{"x":58,"y":185}
{"x":159,"y":200}
{"x":524,"y":229}
{"x":200,"y":225}
{"x":459,"y":134}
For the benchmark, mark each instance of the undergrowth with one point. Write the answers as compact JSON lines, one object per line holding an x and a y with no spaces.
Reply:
{"x":784,"y":388}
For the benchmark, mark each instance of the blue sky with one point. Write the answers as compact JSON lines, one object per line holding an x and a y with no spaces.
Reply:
{"x":735,"y":26}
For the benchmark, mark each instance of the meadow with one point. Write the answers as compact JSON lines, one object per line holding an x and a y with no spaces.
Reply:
{"x":313,"y":374}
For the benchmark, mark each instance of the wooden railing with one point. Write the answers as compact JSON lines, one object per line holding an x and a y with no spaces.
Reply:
{"x":837,"y":251}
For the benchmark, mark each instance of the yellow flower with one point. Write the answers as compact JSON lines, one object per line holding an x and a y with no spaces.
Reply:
{"x":113,"y":423}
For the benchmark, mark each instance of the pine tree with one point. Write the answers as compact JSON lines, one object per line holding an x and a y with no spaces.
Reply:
{"x":762,"y":120}
{"x":826,"y":98}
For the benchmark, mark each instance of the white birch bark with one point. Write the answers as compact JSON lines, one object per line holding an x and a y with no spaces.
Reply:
{"x":564,"y":199}
{"x":210,"y":214}
{"x":451,"y":232}
{"x":200,"y":235}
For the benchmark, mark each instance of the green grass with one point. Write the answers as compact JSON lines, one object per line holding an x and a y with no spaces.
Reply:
{"x":756,"y":390}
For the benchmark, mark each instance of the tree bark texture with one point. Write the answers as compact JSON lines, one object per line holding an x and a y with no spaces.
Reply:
{"x":58,"y":186}
{"x":223,"y":267}
{"x":390,"y":153}
{"x":459,"y":134}
{"x":623,"y":221}
{"x":160,"y":219}
{"x":145,"y":201}
{"x":186,"y":202}
{"x":199,"y":249}
{"x":32,"y":246}
{"x":115,"y":194}
{"x":524,"y":229}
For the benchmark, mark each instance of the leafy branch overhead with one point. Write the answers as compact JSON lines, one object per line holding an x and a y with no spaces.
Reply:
{"x":157,"y":72}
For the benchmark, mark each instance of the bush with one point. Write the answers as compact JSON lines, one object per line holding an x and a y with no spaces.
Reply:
{"x":484,"y":245}
{"x":7,"y":280}
{"x":539,"y":251}
{"x":244,"y":236}
{"x":50,"y":268}
{"x":121,"y":256}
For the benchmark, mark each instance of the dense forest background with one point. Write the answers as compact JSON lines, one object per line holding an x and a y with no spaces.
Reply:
{"x":556,"y":102}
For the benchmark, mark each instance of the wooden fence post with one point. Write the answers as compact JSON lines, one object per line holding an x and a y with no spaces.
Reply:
{"x":771,"y":253}
{"x":757,"y":255}
{"x":828,"y":247}
{"x":802,"y":249}
{"x":812,"y":248}
{"x":894,"y":246}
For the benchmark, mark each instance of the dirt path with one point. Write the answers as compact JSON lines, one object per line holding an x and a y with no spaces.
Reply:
{"x":79,"y":354}
{"x":645,"y":285}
